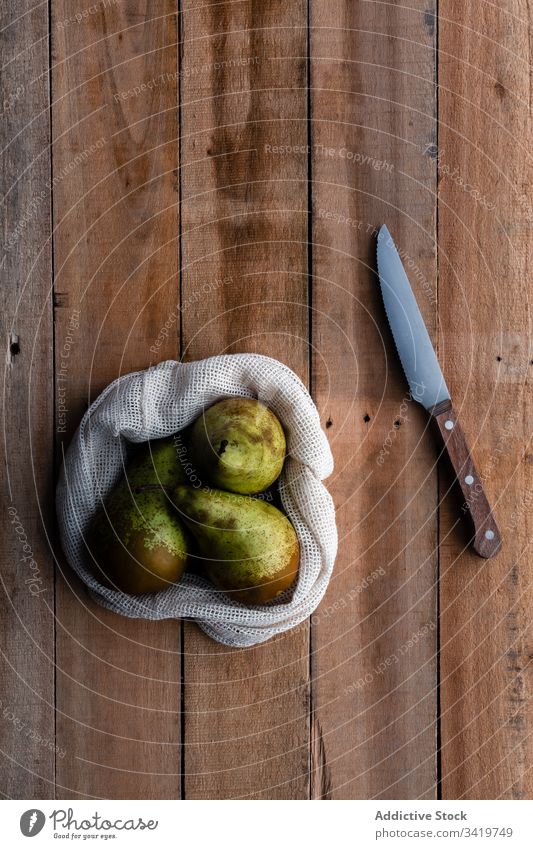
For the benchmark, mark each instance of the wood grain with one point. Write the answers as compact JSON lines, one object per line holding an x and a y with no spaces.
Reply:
{"x":208,"y":111}
{"x":373,"y":107}
{"x":116,"y":262}
{"x":27,"y":590}
{"x":244,"y":238}
{"x":485,"y":242}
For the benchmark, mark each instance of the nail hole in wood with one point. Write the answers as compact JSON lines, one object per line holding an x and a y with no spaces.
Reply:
{"x":366,"y":418}
{"x":397,"y":423}
{"x":14,"y":345}
{"x":329,"y":423}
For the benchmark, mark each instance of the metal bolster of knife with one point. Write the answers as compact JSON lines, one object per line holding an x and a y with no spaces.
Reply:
{"x":487,"y":539}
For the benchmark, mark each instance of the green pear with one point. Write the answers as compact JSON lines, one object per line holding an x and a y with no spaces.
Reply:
{"x":137,"y":540}
{"x":248,"y":548}
{"x":156,"y":462}
{"x":238,"y":444}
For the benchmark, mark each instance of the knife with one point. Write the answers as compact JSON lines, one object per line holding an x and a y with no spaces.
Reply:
{"x":428,"y":387}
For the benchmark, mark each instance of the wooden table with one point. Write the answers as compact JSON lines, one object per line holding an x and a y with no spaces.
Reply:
{"x":154,"y":148}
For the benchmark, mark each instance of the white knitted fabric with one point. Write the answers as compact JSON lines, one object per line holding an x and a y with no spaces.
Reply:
{"x":159,"y":402}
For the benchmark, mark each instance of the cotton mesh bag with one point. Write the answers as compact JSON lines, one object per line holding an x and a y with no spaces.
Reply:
{"x":162,"y":401}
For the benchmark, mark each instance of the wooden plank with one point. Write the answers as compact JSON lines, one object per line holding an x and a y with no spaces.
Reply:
{"x":485,"y":242}
{"x":116,"y":263}
{"x":27,"y":620}
{"x":244,"y":217}
{"x":373,"y":107}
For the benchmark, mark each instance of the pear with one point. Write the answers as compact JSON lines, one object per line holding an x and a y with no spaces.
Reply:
{"x":156,"y":462}
{"x":137,"y":540}
{"x":248,"y":548}
{"x":238,"y":444}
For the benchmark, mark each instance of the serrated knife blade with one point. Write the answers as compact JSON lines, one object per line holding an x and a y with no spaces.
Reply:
{"x":428,"y":387}
{"x":418,"y":358}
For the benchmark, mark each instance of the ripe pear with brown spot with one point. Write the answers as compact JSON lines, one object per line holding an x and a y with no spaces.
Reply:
{"x":239,"y":445}
{"x":137,"y":540}
{"x":247,"y":548}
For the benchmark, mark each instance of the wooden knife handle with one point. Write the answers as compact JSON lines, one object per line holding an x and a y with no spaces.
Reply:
{"x":487,"y":540}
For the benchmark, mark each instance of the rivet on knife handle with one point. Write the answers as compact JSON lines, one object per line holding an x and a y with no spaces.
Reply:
{"x":487,"y":540}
